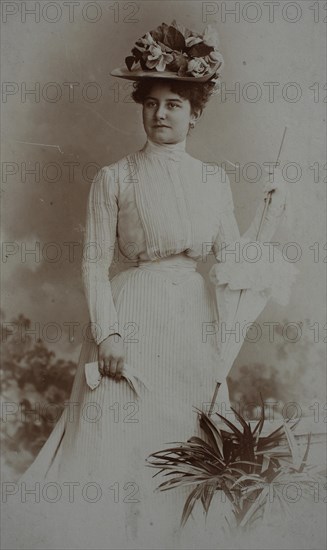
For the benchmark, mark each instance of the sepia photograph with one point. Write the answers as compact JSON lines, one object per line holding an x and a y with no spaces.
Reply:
{"x":163,"y":275}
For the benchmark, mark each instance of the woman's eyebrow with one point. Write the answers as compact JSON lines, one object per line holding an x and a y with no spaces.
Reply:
{"x":169,"y":99}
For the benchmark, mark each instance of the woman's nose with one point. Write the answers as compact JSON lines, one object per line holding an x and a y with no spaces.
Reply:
{"x":161,"y":111}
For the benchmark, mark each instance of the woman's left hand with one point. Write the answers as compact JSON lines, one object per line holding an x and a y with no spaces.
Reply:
{"x":275,"y":182}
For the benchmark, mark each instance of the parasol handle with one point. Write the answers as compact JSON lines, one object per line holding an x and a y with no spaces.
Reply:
{"x":268,"y":198}
{"x":267,"y":202}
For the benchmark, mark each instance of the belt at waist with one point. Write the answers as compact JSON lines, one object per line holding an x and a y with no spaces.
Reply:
{"x":175,"y":262}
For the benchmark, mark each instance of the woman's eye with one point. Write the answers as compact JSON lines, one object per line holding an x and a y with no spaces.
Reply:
{"x":173,"y":105}
{"x":150,"y":104}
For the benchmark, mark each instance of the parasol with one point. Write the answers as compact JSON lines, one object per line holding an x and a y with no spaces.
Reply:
{"x":239,"y":307}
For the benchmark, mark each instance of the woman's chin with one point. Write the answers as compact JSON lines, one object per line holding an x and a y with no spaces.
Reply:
{"x":163,"y":135}
{"x":161,"y":132}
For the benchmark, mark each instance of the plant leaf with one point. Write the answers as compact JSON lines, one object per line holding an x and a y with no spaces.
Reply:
{"x":261,"y":420}
{"x":230,"y":425}
{"x":258,"y":503}
{"x":213,"y":433}
{"x":241,"y":421}
{"x":189,"y":503}
{"x":306,"y":453}
{"x":294,"y":447}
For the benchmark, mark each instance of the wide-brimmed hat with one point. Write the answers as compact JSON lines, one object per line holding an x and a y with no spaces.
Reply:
{"x":175,"y":52}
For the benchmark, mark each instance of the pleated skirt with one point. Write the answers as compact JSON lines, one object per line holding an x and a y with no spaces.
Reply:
{"x":97,"y":452}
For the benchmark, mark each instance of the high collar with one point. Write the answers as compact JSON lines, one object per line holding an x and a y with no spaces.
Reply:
{"x":171,"y":151}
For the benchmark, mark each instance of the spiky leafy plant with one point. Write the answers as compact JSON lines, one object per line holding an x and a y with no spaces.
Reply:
{"x":239,"y":461}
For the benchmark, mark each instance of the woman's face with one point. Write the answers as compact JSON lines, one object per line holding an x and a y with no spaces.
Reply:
{"x":166,"y":115}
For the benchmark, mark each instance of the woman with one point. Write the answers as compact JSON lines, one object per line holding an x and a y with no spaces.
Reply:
{"x":168,"y":212}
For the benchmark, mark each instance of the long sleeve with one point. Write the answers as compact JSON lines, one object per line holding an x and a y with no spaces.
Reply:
{"x":100,"y":236}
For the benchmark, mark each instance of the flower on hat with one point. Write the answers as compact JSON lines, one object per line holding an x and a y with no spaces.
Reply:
{"x":179,"y":63}
{"x":147,"y":40}
{"x":192,"y":40}
{"x":180,"y":50}
{"x":198,"y":67}
{"x":214,"y":57}
{"x":157,"y":58}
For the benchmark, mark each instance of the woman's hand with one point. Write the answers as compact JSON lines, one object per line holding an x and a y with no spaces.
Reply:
{"x":275,"y":182}
{"x":111,"y":356}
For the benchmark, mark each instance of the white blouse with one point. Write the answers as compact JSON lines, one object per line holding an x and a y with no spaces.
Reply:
{"x":156,"y":202}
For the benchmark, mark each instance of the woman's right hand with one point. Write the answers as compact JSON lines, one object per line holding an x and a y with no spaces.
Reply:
{"x":111,"y":356}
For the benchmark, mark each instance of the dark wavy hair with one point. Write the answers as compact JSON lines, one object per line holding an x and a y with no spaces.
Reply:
{"x":198,"y":93}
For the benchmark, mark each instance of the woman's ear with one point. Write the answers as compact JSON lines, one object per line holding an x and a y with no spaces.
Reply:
{"x":195,"y":116}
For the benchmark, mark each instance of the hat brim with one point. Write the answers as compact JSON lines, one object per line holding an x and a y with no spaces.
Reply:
{"x":122,"y":72}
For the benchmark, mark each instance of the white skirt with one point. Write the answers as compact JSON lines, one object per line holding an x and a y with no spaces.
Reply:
{"x":98,"y":449}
